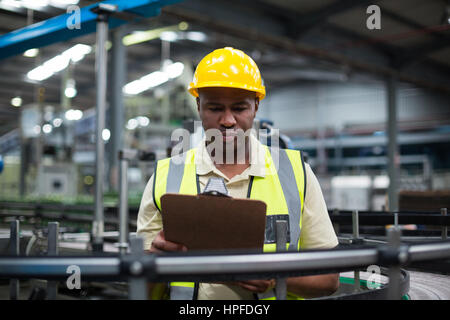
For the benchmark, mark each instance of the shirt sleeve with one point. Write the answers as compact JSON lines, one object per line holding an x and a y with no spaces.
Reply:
{"x":317,"y":230}
{"x":149,"y":220}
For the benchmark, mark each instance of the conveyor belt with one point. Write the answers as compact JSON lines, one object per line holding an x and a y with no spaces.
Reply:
{"x":429,"y":286}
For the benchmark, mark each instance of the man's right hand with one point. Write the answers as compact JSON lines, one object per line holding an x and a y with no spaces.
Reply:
{"x":160,"y":244}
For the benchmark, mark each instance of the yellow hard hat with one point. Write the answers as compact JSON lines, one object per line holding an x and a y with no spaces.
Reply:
{"x":228,"y":67}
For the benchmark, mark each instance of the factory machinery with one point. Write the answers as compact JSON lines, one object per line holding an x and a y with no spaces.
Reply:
{"x":36,"y":262}
{"x":73,"y":257}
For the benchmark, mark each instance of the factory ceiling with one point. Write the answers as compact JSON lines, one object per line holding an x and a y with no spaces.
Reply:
{"x":292,"y":41}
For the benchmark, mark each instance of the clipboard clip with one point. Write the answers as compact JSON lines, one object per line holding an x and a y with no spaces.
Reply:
{"x":216,"y":187}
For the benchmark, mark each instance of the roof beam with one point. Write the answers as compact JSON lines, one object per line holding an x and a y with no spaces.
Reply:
{"x":310,"y":20}
{"x":285,"y":43}
{"x":417,"y":53}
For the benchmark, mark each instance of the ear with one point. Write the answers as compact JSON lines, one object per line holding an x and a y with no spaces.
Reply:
{"x":198,"y":104}
{"x":256,"y":104}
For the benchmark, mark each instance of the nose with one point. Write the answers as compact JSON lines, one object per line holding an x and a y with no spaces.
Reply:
{"x":228,"y":120}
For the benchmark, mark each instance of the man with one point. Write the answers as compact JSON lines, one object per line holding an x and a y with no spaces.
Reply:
{"x":228,"y":89}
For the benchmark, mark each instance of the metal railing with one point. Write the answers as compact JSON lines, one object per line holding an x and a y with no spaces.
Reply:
{"x":138,"y":268}
{"x":358,"y":218}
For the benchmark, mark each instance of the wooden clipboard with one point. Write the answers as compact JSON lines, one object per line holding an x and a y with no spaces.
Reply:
{"x":205,"y":222}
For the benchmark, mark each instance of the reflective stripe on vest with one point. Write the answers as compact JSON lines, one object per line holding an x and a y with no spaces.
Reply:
{"x":182,"y":290}
{"x":282,"y":190}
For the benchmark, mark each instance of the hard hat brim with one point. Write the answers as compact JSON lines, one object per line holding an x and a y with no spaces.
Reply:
{"x":260,"y":92}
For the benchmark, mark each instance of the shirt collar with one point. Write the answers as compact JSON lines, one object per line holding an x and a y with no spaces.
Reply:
{"x":204,"y":164}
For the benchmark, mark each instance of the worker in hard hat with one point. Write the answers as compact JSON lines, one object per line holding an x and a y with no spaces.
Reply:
{"x":228,"y":88}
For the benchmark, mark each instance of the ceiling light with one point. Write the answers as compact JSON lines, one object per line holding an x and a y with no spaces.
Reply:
{"x":169,"y":36}
{"x":34,"y":4}
{"x":73,"y":114}
{"x":12,"y":3}
{"x":174,"y":70}
{"x":57,"y":63}
{"x":39,"y":73}
{"x":132,"y":124}
{"x":57,"y":122}
{"x":106,"y":134}
{"x":16,"y":101}
{"x":60,"y":62}
{"x":143,"y":36}
{"x":196,"y":36}
{"x":154,"y":79}
{"x":143,"y":121}
{"x":63,"y":3}
{"x":77,"y":52}
{"x":70,"y":90}
{"x":149,"y":81}
{"x":134,"y":87}
{"x":47,"y":128}
{"x":31,"y":53}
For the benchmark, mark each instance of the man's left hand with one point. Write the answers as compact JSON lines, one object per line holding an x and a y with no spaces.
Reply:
{"x":257,"y":286}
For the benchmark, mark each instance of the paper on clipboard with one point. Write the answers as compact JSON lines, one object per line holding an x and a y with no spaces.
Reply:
{"x":204,"y":222}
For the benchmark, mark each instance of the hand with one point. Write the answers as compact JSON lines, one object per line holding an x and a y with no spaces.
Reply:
{"x":257,"y":286}
{"x":160,"y":244}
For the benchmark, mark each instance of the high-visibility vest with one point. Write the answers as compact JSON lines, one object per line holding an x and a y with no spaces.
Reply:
{"x":282,"y":190}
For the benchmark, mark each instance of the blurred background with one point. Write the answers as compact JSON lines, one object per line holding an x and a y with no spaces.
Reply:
{"x":364,"y":92}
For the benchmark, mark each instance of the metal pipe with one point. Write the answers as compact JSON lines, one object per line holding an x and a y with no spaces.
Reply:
{"x":429,"y":251}
{"x":355,"y":224}
{"x":394,"y":240}
{"x":56,"y":267}
{"x":393,"y":154}
{"x":118,"y":78}
{"x":258,"y":263}
{"x":137,"y":283}
{"x":123,"y":205}
{"x":101,"y":69}
{"x":444,"y":228}
{"x":356,"y":281}
{"x":14,"y":250}
{"x":52,"y":250}
{"x":210,"y":264}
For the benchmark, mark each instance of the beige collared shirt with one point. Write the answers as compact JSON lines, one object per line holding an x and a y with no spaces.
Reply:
{"x":317,"y":231}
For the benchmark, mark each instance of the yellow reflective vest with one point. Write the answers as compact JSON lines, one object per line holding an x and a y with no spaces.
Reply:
{"x":282,"y":189}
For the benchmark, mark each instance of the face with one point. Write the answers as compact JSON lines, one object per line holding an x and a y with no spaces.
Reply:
{"x":227,"y":109}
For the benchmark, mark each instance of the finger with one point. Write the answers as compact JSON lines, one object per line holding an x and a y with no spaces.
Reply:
{"x":263,"y":285}
{"x":258,"y":283}
{"x":153,"y":249}
{"x":255,"y":286}
{"x":172,"y":246}
{"x":164,"y":245}
{"x":249,"y":287}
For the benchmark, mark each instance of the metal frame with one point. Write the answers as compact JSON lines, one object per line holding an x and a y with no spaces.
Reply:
{"x":139,"y":267}
{"x":56,"y":29}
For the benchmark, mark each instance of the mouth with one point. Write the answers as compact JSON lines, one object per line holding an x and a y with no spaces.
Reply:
{"x":229,"y":135}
